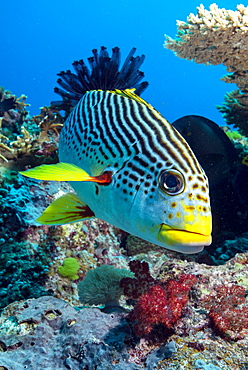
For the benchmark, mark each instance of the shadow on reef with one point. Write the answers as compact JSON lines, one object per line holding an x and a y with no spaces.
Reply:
{"x":228,"y":177}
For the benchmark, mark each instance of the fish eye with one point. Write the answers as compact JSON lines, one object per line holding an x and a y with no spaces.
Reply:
{"x":171,"y":182}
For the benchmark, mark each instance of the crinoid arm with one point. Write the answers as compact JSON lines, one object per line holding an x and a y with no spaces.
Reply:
{"x":103,"y":73}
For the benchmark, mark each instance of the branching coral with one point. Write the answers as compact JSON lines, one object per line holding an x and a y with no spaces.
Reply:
{"x":48,"y":121}
{"x":26,"y":140}
{"x":4,"y":147}
{"x":218,"y":36}
{"x":23,"y":144}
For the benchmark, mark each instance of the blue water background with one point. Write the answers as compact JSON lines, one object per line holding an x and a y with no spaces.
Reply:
{"x":41,"y":38}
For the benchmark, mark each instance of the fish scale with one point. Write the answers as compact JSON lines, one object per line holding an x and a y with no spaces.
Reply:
{"x":127,"y":164}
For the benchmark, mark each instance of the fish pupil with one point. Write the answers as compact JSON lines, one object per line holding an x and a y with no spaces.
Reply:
{"x":171,"y":182}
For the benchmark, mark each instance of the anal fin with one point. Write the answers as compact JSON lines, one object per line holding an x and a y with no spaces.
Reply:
{"x":64,"y":210}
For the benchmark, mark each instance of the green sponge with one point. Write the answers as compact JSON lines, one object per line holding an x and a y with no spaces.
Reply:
{"x":69,"y":268}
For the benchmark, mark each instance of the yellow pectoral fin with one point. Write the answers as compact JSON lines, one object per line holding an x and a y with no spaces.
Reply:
{"x":65,"y":172}
{"x":57,"y":172}
{"x":65,"y":210}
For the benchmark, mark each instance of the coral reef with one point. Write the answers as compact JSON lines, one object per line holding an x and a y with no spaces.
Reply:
{"x":219,"y":36}
{"x":203,"y":327}
{"x":235,"y":109}
{"x":215,"y":36}
{"x":4,"y":147}
{"x":135,"y":287}
{"x":22,"y":272}
{"x":27,"y":140}
{"x":49,"y":333}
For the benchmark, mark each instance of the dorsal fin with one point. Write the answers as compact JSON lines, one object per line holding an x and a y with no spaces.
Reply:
{"x":131,"y":94}
{"x":103,"y":74}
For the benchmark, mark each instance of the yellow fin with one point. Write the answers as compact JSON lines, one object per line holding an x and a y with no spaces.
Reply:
{"x":64,"y":210}
{"x":129,"y":93}
{"x":57,"y":172}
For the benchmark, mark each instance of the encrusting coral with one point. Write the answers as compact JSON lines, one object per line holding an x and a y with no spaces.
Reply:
{"x":218,"y":36}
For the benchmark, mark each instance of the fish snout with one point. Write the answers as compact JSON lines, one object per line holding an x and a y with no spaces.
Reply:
{"x":188,"y":240}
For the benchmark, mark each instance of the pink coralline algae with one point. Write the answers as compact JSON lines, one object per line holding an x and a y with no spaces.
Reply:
{"x":228,"y":312}
{"x":157,"y":303}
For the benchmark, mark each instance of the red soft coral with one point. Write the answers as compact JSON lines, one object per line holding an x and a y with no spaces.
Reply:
{"x":150,"y":309}
{"x":134,"y":287}
{"x":226,"y":317}
{"x":161,"y":305}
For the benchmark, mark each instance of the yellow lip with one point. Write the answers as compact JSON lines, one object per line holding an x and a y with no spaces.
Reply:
{"x":187,"y":241}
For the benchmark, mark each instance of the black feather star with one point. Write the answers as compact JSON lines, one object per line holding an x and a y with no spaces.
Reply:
{"x":103,"y":74}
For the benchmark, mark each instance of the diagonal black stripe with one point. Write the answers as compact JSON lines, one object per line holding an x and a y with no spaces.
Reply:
{"x":100,"y":121}
{"x":169,"y":131}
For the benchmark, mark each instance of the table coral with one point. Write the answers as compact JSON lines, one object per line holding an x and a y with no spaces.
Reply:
{"x":214,"y":36}
{"x":218,"y":36}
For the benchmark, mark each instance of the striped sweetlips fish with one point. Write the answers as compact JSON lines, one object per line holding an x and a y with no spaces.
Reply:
{"x":128,"y":165}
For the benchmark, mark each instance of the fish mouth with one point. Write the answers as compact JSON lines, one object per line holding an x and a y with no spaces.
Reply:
{"x":183,"y":241}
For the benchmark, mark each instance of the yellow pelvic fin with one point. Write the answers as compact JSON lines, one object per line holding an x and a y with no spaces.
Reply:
{"x":64,"y":210}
